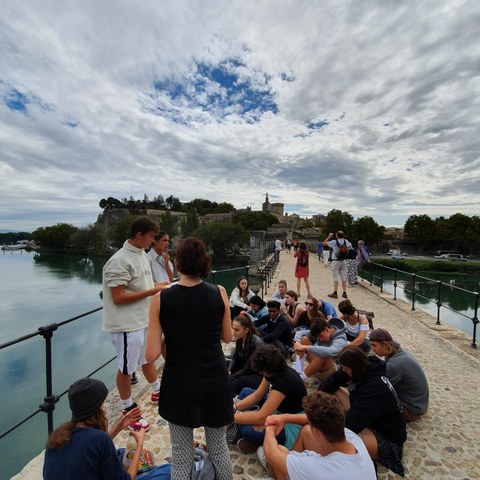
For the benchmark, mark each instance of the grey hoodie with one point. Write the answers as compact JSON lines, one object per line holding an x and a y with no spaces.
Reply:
{"x":331,"y":349}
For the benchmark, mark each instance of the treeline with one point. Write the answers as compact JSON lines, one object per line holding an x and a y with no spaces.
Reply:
{"x":200,"y":206}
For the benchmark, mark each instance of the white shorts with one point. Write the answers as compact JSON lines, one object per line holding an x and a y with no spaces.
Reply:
{"x":130,"y":348}
{"x":339,"y":270}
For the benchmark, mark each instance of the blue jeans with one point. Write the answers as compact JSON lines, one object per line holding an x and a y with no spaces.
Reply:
{"x":248,"y":432}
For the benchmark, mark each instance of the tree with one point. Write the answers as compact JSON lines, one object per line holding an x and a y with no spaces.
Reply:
{"x":167,"y":223}
{"x":120,"y":231}
{"x":174,"y":204}
{"x":189,"y":223}
{"x":368,"y":230}
{"x":222,"y":237}
{"x":255,"y":220}
{"x":56,"y":236}
{"x":337,"y":220}
{"x":201,"y":206}
{"x":224,"y":207}
{"x":420,"y":229}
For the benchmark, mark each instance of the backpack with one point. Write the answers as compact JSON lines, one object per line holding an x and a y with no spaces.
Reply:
{"x":303,"y":259}
{"x":342,"y":253}
{"x":352,"y":254}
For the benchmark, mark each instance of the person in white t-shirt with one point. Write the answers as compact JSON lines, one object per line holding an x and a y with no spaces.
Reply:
{"x":324,"y":448}
{"x":159,"y":259}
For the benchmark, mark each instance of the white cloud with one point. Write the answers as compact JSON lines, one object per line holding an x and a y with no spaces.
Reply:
{"x":396,"y":83}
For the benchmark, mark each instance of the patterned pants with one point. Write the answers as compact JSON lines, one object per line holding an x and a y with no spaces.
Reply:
{"x":182,"y":452}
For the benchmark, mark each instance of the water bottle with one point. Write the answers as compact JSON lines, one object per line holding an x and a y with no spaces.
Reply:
{"x":131,"y":446}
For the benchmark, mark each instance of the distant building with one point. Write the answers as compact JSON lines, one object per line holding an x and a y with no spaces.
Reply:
{"x":273,"y":208}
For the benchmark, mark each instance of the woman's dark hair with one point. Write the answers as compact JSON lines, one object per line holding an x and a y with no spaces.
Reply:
{"x":63,"y":433}
{"x":191,"y":258}
{"x":269,"y":359}
{"x":142,"y":225}
{"x":302,"y":246}
{"x":293,"y":294}
{"x":241,"y":291}
{"x":246,"y":322}
{"x":355,"y":358}
{"x":346,"y":307}
{"x":314,"y":311}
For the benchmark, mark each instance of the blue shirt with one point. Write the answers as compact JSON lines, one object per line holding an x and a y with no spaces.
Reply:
{"x":327,"y":309}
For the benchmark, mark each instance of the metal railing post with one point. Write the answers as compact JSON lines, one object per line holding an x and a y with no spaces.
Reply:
{"x":212,"y":273}
{"x":381,"y":279}
{"x":475,"y":321}
{"x":414,"y":291}
{"x":394,"y":283}
{"x":438,"y":302}
{"x":48,"y":406}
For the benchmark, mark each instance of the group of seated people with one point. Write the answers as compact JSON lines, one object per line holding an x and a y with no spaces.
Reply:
{"x":376,"y":396}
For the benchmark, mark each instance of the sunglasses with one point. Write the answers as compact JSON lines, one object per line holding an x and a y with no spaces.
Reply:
{"x":309,"y":304}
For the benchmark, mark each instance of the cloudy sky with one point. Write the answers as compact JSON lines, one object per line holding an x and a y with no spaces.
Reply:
{"x":370,"y":107}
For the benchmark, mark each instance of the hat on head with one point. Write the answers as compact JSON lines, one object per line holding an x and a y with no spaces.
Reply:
{"x":382,"y":335}
{"x":85,"y":397}
{"x":256,"y":300}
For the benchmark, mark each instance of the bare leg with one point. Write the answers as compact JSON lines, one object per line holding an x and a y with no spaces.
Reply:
{"x":124,"y":386}
{"x":370,"y":442}
{"x":344,"y":285}
{"x":150,"y":372}
{"x":307,"y":284}
{"x":335,"y":285}
{"x":298,"y":286}
{"x":317,"y":364}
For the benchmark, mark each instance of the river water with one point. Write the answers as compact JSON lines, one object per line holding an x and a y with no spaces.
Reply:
{"x":41,"y":289}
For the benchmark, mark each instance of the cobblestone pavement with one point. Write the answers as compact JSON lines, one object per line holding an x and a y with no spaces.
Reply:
{"x":444,"y":444}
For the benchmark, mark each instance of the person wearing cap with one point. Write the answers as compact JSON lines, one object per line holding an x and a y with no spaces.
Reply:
{"x":404,"y":372}
{"x":83,"y":448}
{"x":257,"y":308}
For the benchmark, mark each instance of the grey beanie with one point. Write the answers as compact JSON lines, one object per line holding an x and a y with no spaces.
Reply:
{"x":85,"y":397}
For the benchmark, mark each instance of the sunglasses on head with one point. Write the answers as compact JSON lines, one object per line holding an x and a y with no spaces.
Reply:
{"x":309,"y":304}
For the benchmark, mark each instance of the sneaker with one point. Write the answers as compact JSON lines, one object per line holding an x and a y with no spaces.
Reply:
{"x":246,"y":446}
{"x":133,"y":379}
{"x":261,"y":457}
{"x":344,"y":294}
{"x":154,"y":397}
{"x":333,"y":295}
{"x":143,"y":424}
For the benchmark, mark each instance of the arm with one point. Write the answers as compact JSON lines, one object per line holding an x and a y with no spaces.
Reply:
{"x":330,"y":237}
{"x":298,"y":311}
{"x":279,"y":421}
{"x":254,"y":398}
{"x":168,"y":268}
{"x":153,"y":345}
{"x":235,"y":299}
{"x":363,"y":331}
{"x":276,"y":456}
{"x":124,"y":421}
{"x":133,"y":467}
{"x":121,"y":297}
{"x":332,"y":350}
{"x":332,"y":383}
{"x":275,"y":398}
{"x":226,"y":321}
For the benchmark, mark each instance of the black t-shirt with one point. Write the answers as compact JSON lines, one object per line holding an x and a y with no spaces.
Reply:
{"x":289,"y":383}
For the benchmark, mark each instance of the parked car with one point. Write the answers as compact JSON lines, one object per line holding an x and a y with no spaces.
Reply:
{"x":397,"y":255}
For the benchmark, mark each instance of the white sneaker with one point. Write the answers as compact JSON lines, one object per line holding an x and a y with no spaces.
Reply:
{"x":261,"y":457}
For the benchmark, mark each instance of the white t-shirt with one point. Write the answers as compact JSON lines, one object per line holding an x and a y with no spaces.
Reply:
{"x":335,"y":247}
{"x":309,"y":465}
{"x":158,"y":266}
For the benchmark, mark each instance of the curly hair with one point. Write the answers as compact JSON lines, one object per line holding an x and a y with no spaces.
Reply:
{"x":325,"y":413}
{"x":191,"y":258}
{"x":269,"y":359}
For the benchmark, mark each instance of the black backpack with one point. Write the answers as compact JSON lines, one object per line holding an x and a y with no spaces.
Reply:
{"x":342,"y":253}
{"x":303,"y":259}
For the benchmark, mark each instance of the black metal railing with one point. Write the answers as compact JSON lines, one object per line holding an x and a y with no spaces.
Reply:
{"x":375,"y":273}
{"x":265,"y":273}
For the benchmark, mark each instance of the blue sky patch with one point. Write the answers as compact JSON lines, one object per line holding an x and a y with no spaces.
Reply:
{"x":16,"y":100}
{"x":228,"y":88}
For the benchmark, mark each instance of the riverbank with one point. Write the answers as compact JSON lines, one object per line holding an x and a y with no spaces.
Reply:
{"x":441,"y":445}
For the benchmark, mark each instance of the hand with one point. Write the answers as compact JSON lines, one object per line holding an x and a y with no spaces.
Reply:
{"x":300,"y":349}
{"x":162,"y":285}
{"x":131,"y":416}
{"x":166,"y":256}
{"x":139,"y":436}
{"x":276,"y":422}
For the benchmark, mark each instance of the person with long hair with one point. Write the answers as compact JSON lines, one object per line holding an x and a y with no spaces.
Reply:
{"x":240,"y":296}
{"x":371,"y":405}
{"x":301,"y":267}
{"x":246,"y":342}
{"x":357,"y":325}
{"x":306,"y":318}
{"x":405,"y":373}
{"x":194,"y":317}
{"x":292,"y":308}
{"x":83,"y":448}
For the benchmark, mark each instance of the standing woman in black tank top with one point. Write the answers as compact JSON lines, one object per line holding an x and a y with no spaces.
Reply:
{"x":195,"y":391}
